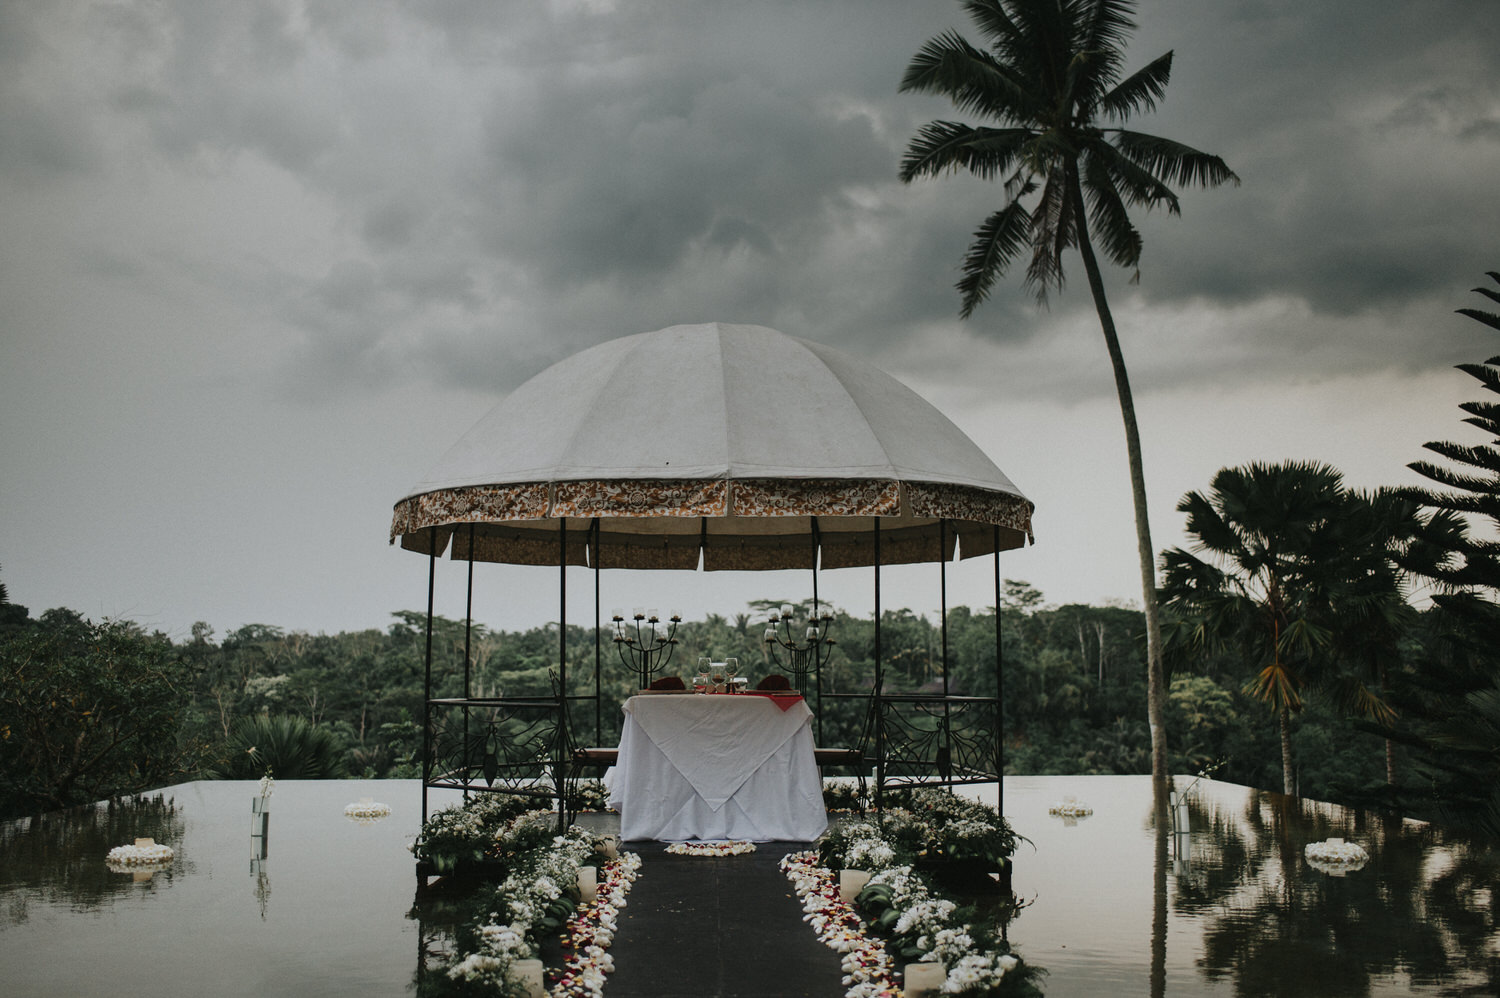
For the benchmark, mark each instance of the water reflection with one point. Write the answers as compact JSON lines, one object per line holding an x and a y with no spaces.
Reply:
{"x":260,"y":851}
{"x":1416,"y":911}
{"x":1234,"y":906}
{"x":58,"y":858}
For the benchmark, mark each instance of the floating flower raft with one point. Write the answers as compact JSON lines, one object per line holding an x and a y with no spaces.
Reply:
{"x":735,"y":848}
{"x":1335,"y":856}
{"x":1070,"y":807}
{"x":144,"y":854}
{"x":367,"y":810}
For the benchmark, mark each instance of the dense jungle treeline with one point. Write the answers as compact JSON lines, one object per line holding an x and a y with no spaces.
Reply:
{"x":91,"y":710}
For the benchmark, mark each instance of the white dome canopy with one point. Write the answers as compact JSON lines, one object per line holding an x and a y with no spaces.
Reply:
{"x":738,"y":442}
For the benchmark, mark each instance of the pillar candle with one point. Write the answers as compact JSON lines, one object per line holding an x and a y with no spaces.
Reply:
{"x":923,"y":980}
{"x":851,"y":882}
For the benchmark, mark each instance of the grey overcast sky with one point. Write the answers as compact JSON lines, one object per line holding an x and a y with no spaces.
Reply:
{"x":262,"y":261}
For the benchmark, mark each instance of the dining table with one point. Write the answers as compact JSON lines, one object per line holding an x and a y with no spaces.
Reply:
{"x":713,"y":767}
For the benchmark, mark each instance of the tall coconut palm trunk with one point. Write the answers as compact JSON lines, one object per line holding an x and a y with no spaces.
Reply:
{"x":1288,"y":782}
{"x":1156,"y":696}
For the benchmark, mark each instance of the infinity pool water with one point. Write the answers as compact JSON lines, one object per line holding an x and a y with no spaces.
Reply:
{"x":324,"y":906}
{"x":1232,"y":907}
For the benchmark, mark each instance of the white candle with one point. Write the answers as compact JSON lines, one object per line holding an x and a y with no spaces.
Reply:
{"x":530,"y":974}
{"x":588,"y":883}
{"x":922,"y":979}
{"x":851,"y":882}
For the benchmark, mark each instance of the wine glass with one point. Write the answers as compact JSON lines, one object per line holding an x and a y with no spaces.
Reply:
{"x":731,"y":668}
{"x":717,"y":676}
{"x":700,"y":680}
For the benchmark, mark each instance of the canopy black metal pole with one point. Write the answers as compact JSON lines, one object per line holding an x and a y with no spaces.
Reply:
{"x":468,"y":627}
{"x":560,"y":754}
{"x":817,"y":659}
{"x":427,"y":670}
{"x":468,"y":656}
{"x":598,"y":655}
{"x":945,"y":749}
{"x":875,"y":701}
{"x":943,"y":590}
{"x":999,"y":691}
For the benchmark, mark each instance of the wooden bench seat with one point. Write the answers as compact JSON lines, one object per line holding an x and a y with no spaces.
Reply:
{"x":596,"y":756}
{"x":600,"y":756}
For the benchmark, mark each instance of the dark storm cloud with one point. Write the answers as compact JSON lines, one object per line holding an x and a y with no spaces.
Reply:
{"x":504,"y":173}
{"x":1359,"y":138}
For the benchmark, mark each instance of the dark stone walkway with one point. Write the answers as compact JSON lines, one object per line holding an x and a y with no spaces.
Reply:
{"x":718,"y":927}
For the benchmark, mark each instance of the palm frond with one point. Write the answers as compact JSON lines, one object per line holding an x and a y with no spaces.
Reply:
{"x":1134,"y":184}
{"x":1488,"y":318}
{"x":1490,"y":379}
{"x":953,"y":145}
{"x":1489,"y":293}
{"x":1051,"y":235}
{"x":1276,"y":685}
{"x":993,"y":22}
{"x":1483,"y":458}
{"x":1171,"y":161}
{"x":972,"y":79}
{"x":1186,"y":578}
{"x":1138,"y":92}
{"x":1108,"y":25}
{"x":996,"y":243}
{"x":1108,"y":217}
{"x":1214,"y":532}
{"x":1304,"y":637}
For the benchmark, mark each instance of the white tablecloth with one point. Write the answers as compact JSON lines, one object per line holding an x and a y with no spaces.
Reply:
{"x":717,"y":767}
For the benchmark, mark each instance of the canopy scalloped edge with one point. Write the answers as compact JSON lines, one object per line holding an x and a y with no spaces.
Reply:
{"x":738,"y":521}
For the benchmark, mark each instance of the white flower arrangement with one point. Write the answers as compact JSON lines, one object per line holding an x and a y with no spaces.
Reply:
{"x":1335,"y":855}
{"x":727,"y":848}
{"x":973,"y":962}
{"x":267,"y":785}
{"x":144,"y":854}
{"x":1070,"y":807}
{"x":367,"y":811}
{"x":531,"y":893}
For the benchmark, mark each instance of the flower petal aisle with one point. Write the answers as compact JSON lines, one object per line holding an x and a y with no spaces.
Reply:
{"x":590,"y":932}
{"x":868,"y":969}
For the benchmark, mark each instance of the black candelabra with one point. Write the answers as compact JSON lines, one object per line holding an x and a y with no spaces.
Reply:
{"x":806,"y":652}
{"x":645,"y":643}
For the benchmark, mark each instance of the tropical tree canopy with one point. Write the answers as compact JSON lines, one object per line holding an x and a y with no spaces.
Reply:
{"x":1052,"y":83}
{"x":1293,"y":570}
{"x":1449,"y":699}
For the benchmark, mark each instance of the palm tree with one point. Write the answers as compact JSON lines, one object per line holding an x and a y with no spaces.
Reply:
{"x":1450,"y":699}
{"x":1050,"y":80}
{"x":1295,"y":573}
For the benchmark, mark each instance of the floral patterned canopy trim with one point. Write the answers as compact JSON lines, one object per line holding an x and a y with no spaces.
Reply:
{"x":747,"y":524}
